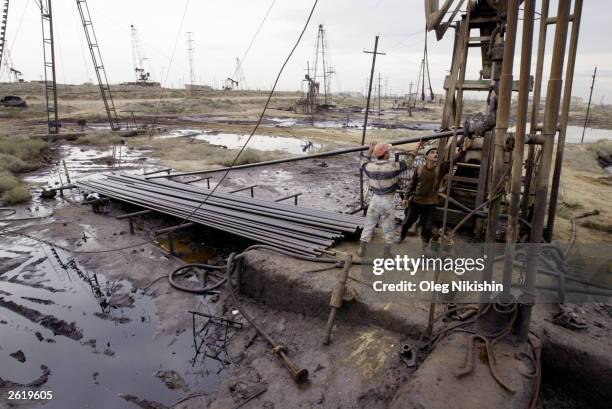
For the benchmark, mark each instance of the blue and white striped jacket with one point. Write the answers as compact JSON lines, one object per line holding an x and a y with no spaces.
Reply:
{"x":383,"y":174}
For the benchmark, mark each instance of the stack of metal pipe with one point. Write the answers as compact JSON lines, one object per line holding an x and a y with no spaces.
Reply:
{"x":297,"y":229}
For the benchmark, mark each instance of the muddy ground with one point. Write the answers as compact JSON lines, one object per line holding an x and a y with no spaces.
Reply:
{"x":138,"y":348}
{"x":124,"y":338}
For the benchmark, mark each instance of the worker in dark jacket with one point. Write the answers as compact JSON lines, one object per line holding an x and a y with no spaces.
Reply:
{"x":421,"y":201}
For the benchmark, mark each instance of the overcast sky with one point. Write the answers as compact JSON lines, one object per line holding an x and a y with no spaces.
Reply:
{"x":223,"y":30}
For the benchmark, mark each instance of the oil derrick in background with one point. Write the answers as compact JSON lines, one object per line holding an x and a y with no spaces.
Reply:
{"x":49,"y":66}
{"x":309,"y":103}
{"x":96,"y":56}
{"x":239,"y":74}
{"x":322,"y":70}
{"x":321,"y":76}
{"x":143,"y":77}
{"x":3,"y":21}
{"x":424,"y":79}
{"x":8,"y":69}
{"x":190,"y":51}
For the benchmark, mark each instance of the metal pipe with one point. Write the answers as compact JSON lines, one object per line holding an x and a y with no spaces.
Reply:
{"x":248,"y":232}
{"x":586,"y":116}
{"x":501,"y":132}
{"x":295,"y":196}
{"x":551,"y":116}
{"x":535,"y":107}
{"x":162,"y":205}
{"x":251,"y":187}
{"x":173,"y":228}
{"x":167,"y":170}
{"x":318,"y":220}
{"x":211,"y":212}
{"x":336,"y":298}
{"x":130,"y":215}
{"x":343,"y":151}
{"x":567,"y":96}
{"x":298,"y":374}
{"x":220,"y":198}
{"x":519,"y":139}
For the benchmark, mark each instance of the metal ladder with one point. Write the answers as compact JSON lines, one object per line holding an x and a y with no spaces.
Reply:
{"x":5,"y":8}
{"x":96,"y":57}
{"x":49,"y":61}
{"x":469,"y":182}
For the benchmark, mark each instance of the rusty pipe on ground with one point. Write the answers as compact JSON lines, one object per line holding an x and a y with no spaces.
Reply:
{"x":501,"y":133}
{"x":519,"y":145}
{"x":336,"y":298}
{"x":567,"y":95}
{"x":551,"y":116}
{"x":299,"y":375}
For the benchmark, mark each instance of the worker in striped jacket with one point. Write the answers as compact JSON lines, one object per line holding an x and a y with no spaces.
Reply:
{"x":383,"y":178}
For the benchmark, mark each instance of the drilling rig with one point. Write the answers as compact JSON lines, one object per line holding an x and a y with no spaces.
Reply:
{"x":3,"y":21}
{"x":141,"y":75}
{"x":503,"y":183}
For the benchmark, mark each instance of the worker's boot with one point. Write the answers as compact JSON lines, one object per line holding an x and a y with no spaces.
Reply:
{"x":387,"y":251}
{"x":362,"y":248}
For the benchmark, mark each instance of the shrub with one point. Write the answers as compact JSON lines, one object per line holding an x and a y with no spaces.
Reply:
{"x":13,"y":163}
{"x":247,"y":156}
{"x":7,"y":182}
{"x":18,"y":194}
{"x":22,"y":148}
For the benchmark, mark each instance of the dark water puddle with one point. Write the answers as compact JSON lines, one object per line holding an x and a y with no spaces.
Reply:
{"x":86,"y":161}
{"x":117,"y":351}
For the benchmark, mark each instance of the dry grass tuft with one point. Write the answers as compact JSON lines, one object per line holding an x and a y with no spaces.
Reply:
{"x":18,"y":194}
{"x":13,"y":163}
{"x":8,"y":181}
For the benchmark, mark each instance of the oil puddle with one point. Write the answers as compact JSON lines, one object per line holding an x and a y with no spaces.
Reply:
{"x":261,"y":142}
{"x":187,"y":251}
{"x":95,"y":336}
{"x":84,"y":161}
{"x":306,"y":122}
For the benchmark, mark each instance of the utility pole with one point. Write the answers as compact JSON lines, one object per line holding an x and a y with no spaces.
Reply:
{"x":410,"y":99}
{"x":586,"y":118}
{"x":365,"y":120}
{"x":190,"y":51}
{"x":379,"y":97}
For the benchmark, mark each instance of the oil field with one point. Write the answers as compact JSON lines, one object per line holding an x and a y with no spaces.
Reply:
{"x":195,"y":212}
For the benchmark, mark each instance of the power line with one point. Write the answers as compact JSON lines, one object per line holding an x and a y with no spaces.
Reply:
{"x":260,"y":116}
{"x":239,"y":66}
